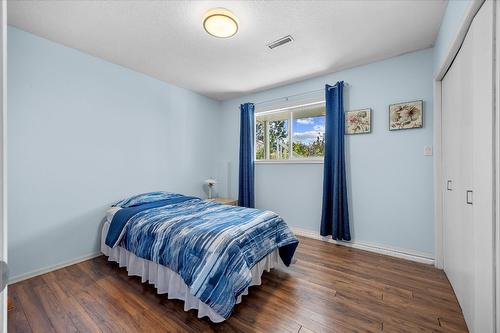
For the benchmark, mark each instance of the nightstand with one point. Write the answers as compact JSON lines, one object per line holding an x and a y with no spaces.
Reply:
{"x":224,"y":201}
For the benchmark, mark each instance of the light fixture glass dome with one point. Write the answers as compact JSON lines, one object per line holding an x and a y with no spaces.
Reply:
{"x":220,"y":22}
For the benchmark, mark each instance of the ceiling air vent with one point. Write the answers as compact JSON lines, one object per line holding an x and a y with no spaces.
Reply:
{"x":279,"y":42}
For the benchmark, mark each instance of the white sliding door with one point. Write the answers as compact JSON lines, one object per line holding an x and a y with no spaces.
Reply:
{"x":467,"y":141}
{"x":458,"y":246}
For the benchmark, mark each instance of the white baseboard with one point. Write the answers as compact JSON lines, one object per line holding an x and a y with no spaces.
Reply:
{"x":41,"y":271}
{"x":422,"y":257}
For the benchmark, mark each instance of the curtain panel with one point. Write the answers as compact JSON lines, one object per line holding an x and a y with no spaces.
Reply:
{"x":246,"y":192}
{"x":335,"y":211}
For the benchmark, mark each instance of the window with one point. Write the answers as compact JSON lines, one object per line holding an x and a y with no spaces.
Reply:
{"x":295,"y":133}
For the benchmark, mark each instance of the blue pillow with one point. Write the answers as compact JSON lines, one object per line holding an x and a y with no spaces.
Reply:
{"x":144,"y":198}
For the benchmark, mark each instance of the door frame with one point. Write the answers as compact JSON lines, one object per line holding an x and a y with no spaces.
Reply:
{"x":439,"y":180}
{"x":3,"y":160}
{"x":496,"y":87}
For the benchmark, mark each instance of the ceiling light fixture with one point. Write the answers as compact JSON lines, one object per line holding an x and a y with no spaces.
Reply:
{"x":220,"y":22}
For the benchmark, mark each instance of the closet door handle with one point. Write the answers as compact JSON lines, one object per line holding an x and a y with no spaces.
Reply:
{"x":448,"y":185}
{"x":468,"y":197}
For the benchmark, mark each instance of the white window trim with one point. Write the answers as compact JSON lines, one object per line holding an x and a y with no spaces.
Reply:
{"x":291,"y":159}
{"x":289,"y":108}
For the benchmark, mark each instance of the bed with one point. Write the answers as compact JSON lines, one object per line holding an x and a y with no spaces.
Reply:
{"x":202,"y":252}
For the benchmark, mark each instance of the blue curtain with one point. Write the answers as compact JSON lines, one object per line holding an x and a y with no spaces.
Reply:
{"x":246,"y":181}
{"x":335,"y":211}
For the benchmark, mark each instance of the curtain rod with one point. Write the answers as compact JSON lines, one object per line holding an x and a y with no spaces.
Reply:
{"x":295,"y":95}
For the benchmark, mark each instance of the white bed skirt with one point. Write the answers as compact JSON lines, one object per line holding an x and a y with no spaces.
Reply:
{"x":169,"y":282}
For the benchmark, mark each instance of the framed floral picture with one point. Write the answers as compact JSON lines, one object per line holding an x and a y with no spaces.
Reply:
{"x":358,"y":121}
{"x":406,"y":115}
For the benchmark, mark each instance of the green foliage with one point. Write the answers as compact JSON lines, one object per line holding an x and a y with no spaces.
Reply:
{"x":278,"y":130}
{"x":259,"y":131}
{"x":260,"y":140}
{"x":259,"y":152}
{"x":314,"y":149}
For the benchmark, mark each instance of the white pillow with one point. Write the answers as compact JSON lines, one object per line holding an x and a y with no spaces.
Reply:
{"x":111,"y":212}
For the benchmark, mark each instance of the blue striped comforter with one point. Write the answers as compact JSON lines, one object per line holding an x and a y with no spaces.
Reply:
{"x":211,"y":246}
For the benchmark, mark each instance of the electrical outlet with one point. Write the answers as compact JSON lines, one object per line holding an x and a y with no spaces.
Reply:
{"x":428,"y":151}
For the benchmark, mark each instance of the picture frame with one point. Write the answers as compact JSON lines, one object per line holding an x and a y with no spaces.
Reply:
{"x":358,"y":121}
{"x":406,"y":115}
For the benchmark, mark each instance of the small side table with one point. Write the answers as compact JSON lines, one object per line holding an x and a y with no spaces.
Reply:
{"x":224,"y":201}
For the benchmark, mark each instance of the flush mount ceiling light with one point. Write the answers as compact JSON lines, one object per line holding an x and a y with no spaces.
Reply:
{"x":220,"y":22}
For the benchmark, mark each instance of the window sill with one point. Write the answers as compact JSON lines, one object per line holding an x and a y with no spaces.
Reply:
{"x":296,"y":161}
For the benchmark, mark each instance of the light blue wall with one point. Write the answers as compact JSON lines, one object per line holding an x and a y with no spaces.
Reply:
{"x":391,"y":181}
{"x":453,"y":16}
{"x":83,"y":133}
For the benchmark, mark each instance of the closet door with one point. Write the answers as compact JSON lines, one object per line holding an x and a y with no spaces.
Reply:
{"x":457,"y":138}
{"x":467,"y":137}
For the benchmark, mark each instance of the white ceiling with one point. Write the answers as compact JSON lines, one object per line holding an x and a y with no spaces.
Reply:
{"x":166,"y":40}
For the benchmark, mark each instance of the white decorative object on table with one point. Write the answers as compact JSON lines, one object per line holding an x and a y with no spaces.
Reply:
{"x":211,"y":183}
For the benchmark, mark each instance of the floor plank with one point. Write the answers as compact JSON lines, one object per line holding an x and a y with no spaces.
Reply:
{"x":17,"y":320}
{"x":331,"y":288}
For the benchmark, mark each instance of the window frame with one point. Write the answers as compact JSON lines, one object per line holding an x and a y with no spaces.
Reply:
{"x":291,"y":159}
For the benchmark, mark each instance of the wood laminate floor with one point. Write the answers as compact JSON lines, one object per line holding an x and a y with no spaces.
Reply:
{"x":330,"y":289}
